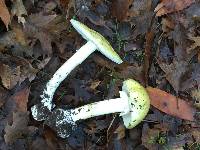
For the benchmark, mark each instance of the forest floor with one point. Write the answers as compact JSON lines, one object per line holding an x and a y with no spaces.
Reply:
{"x":159,"y":43}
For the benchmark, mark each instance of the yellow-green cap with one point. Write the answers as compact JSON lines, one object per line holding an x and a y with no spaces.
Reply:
{"x":139,"y":103}
{"x":101,"y":43}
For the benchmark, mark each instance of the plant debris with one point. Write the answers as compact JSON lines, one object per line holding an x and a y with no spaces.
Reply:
{"x":159,"y":43}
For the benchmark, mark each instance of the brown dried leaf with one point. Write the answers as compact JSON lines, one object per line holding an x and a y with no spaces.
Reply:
{"x":149,"y":136}
{"x":95,"y":84}
{"x":20,"y":35}
{"x":19,"y":10}
{"x":195,"y":132}
{"x":15,"y":70}
{"x":191,"y":78}
{"x":196,"y":43}
{"x":47,"y":29}
{"x":174,"y":72}
{"x":169,"y":6}
{"x":195,"y":93}
{"x":4,"y":13}
{"x":120,"y":9}
{"x":15,"y":41}
{"x":167,"y":24}
{"x":171,"y":105}
{"x":21,"y":99}
{"x":126,"y":70}
{"x":40,"y":144}
{"x":139,"y":7}
{"x":120,"y":131}
{"x":9,"y":76}
{"x":3,"y":95}
{"x":18,"y":129}
{"x":147,"y":57}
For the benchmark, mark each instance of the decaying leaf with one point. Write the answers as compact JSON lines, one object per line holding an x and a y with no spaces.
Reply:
{"x":167,"y":24}
{"x":120,"y":132}
{"x":147,"y":57}
{"x":191,"y":78}
{"x":95,"y":84}
{"x":19,"y":127}
{"x":196,"y":43}
{"x":19,"y":10}
{"x":15,"y":70}
{"x":4,"y":13}
{"x":52,"y":29}
{"x":174,"y":72}
{"x":149,"y":137}
{"x":171,"y":105}
{"x":3,"y":95}
{"x":21,"y":99}
{"x":169,"y":6}
{"x":120,"y":9}
{"x":195,"y":93}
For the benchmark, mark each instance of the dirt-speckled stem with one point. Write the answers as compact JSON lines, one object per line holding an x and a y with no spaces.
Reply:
{"x":117,"y":105}
{"x":62,"y":73}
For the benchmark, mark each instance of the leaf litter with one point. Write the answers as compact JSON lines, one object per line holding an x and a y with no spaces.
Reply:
{"x":158,"y":42}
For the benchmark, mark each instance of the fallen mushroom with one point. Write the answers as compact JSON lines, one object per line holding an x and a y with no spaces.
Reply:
{"x":95,"y":42}
{"x":133,"y":105}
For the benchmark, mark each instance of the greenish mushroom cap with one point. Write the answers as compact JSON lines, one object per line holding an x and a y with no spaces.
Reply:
{"x":101,"y":43}
{"x":139,"y":103}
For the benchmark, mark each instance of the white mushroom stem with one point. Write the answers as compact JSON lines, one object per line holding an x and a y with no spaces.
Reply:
{"x":63,"y":72}
{"x":117,"y":105}
{"x":95,"y":42}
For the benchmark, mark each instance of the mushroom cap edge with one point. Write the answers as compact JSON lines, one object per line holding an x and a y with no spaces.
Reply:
{"x":139,"y":103}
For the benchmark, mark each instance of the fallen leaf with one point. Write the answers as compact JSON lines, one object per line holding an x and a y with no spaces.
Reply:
{"x":4,"y":13}
{"x":139,"y":7}
{"x":180,"y":42}
{"x":15,"y":42}
{"x":169,"y":6}
{"x":120,"y":131}
{"x":193,"y":13}
{"x":149,"y":137}
{"x":21,"y":99}
{"x":191,"y":78}
{"x":174,"y":72}
{"x":95,"y":84}
{"x":3,"y":95}
{"x":80,"y":90}
{"x":68,"y":5}
{"x":47,"y":29}
{"x":143,"y":22}
{"x":39,"y":144}
{"x":167,"y":24}
{"x":120,"y":9}
{"x":195,"y":132}
{"x":171,"y":105}
{"x":15,"y":70}
{"x":195,"y":94}
{"x":19,"y":34}
{"x":18,"y":129}
{"x":18,"y":100}
{"x":94,"y":18}
{"x":19,"y":10}
{"x":196,"y":43}
{"x":147,"y":58}
{"x":51,"y":139}
{"x":126,"y":70}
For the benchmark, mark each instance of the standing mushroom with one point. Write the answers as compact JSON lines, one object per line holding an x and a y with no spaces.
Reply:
{"x":95,"y":41}
{"x":133,"y":105}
